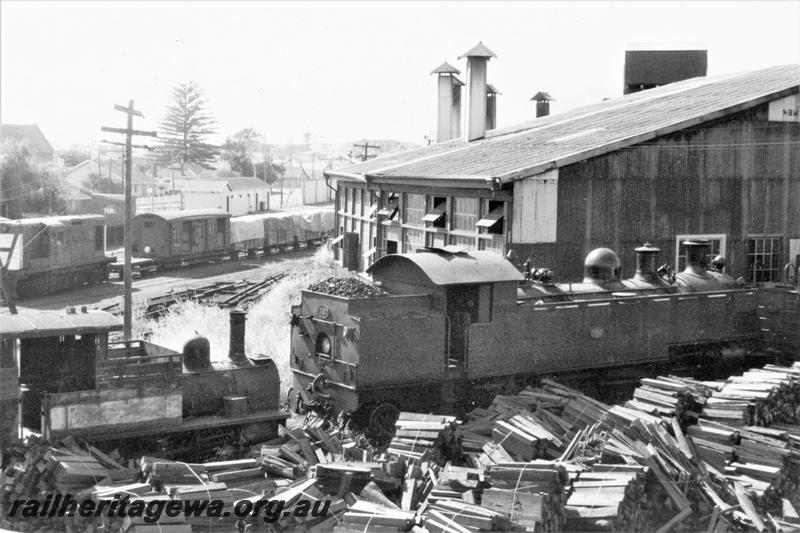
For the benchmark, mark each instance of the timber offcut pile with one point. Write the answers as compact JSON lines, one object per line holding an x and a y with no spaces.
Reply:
{"x":546,"y":459}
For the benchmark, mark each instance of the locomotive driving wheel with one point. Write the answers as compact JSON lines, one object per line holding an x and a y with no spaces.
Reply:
{"x":381,"y":422}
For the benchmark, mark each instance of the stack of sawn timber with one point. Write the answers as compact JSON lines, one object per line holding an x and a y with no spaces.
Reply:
{"x":418,"y":437}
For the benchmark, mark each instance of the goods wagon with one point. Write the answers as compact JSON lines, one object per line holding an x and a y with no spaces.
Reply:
{"x":280,"y":232}
{"x":172,"y":238}
{"x":51,"y":254}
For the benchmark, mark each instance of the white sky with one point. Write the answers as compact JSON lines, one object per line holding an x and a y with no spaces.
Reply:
{"x":346,"y":70}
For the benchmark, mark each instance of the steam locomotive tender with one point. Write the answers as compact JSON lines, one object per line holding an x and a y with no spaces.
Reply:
{"x":455,"y":320}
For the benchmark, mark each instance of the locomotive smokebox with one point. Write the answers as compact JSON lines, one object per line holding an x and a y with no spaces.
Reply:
{"x":601,"y":265}
{"x":696,"y":252}
{"x":236,"y":352}
{"x":646,"y":256}
{"x":197,"y":354}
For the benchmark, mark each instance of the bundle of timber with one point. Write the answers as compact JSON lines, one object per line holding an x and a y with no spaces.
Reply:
{"x":420,"y":437}
{"x":537,"y":487}
{"x":758,"y":397}
{"x":671,"y":396}
{"x":607,"y":497}
{"x":347,"y":287}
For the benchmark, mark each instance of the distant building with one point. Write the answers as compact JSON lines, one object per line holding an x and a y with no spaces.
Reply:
{"x":28,"y":136}
{"x":142,"y":184}
{"x":237,"y":196}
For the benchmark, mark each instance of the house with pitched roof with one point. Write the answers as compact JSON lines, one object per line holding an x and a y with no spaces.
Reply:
{"x":709,"y":157}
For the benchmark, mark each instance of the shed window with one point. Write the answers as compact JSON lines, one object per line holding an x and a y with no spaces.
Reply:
{"x":717,"y":248}
{"x":493,"y":221}
{"x":436,"y":215}
{"x":764,"y":259}
{"x":220,"y":225}
{"x":391,"y":208}
{"x":148,"y":224}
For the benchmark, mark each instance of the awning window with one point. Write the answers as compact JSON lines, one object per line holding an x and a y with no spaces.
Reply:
{"x":435,"y":214}
{"x":496,"y":215}
{"x":391,"y":208}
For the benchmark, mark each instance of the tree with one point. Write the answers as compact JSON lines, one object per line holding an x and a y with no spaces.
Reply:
{"x":75,"y":157}
{"x":24,"y":188}
{"x":98,"y":183}
{"x":186,"y":127}
{"x":239,"y":148}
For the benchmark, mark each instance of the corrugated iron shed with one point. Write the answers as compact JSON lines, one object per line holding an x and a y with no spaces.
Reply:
{"x":31,"y":323}
{"x":443,"y":268}
{"x":561,"y":139}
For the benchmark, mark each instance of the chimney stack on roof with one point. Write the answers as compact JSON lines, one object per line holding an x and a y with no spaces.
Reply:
{"x":491,"y":106}
{"x":542,"y":100}
{"x":449,"y":123}
{"x":477,"y":62}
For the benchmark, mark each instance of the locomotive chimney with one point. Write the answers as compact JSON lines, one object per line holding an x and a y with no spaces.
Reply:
{"x":236,"y":352}
{"x":696,"y":261}
{"x":646,"y":256}
{"x":542,"y":100}
{"x":477,"y":62}
{"x":449,"y":106}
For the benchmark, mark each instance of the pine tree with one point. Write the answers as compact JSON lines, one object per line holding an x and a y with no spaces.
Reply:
{"x":185,"y":128}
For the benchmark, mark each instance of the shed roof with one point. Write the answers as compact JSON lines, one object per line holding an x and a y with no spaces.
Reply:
{"x":562,"y":139}
{"x":186,"y":214}
{"x":444,"y":268}
{"x":30,"y":323}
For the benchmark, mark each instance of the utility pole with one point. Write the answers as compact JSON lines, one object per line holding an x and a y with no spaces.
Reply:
{"x":129,"y":132}
{"x":366,"y":146}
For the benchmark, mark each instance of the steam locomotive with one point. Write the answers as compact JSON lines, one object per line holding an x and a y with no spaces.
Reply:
{"x":64,"y":377}
{"x":53,"y":254}
{"x":455,"y":321}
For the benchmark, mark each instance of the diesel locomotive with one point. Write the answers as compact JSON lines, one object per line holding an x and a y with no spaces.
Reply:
{"x":48,"y":254}
{"x":453,"y":321}
{"x":53,"y":254}
{"x":62,"y":375}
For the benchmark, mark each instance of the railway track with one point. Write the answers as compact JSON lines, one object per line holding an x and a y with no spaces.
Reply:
{"x":225,"y":294}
